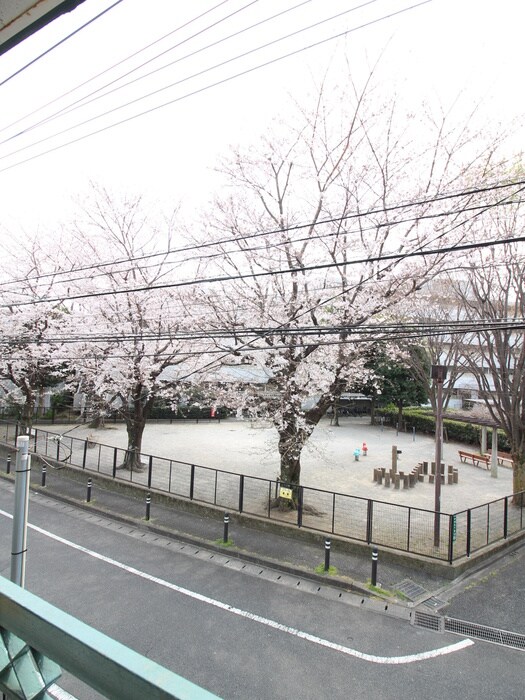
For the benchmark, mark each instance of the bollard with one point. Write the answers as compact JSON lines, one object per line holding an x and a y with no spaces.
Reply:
{"x":8,"y":465}
{"x":374,"y":566}
{"x":226,"y":525}
{"x":89,"y":485}
{"x":44,"y":472}
{"x":148,"y":505}
{"x":327,"y":545}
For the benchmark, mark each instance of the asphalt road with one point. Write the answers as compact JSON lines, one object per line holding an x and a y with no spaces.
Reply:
{"x":238,"y":635}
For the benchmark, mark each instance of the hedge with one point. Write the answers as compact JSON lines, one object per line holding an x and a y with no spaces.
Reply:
{"x":456,"y":430}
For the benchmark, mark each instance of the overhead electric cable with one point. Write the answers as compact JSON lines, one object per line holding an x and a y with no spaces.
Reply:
{"x":421,"y":329}
{"x":288,"y":229}
{"x":106,"y":70}
{"x":95,"y":94}
{"x":220,"y":254}
{"x":180,"y":81}
{"x":269,"y":273}
{"x":235,"y":351}
{"x":343,"y":292}
{"x":321,"y":237}
{"x":209,"y":86}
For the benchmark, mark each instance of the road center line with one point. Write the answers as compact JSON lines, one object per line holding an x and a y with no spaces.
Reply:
{"x":372,"y":658}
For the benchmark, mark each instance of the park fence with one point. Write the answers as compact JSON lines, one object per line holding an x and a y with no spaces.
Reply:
{"x":367,"y":520}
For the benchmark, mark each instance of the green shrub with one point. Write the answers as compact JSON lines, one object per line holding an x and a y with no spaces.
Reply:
{"x":423,"y":421}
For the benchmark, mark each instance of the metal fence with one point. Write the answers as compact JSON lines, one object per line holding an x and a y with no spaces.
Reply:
{"x":366,"y":520}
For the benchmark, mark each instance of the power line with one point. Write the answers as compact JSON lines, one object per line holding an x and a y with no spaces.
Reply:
{"x":321,"y":237}
{"x":248,"y":346}
{"x":62,"y":41}
{"x":405,"y":329}
{"x":376,"y":336}
{"x":115,"y":65}
{"x":83,"y":101}
{"x":271,"y":273}
{"x":180,"y":81}
{"x":345,"y":291}
{"x":207,"y":87}
{"x":296,"y":227}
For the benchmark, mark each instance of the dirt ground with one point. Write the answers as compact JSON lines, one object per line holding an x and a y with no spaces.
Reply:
{"x":328,"y":460}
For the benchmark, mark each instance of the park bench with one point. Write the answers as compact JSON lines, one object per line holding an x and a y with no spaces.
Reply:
{"x":474,"y":458}
{"x":504,"y":458}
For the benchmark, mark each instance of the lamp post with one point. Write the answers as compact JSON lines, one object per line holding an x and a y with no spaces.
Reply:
{"x":439,"y":372}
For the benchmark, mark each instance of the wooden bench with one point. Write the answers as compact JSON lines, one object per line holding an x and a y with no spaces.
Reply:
{"x":474,"y":458}
{"x":504,"y":459}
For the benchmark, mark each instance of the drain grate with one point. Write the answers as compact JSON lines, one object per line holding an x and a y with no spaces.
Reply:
{"x":488,"y":634}
{"x":410,"y":589}
{"x":428,"y":621}
{"x":434,"y":603}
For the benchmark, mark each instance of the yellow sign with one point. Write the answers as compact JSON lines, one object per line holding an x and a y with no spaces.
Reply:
{"x":285,"y":493}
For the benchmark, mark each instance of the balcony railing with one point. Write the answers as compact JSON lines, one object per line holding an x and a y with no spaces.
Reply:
{"x":37,"y":640}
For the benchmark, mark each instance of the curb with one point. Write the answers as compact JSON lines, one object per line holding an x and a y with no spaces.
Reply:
{"x":249,"y":557}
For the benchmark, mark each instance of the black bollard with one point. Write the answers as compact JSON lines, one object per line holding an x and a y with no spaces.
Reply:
{"x":327,"y":545}
{"x":8,"y":465}
{"x":148,"y":505}
{"x":44,"y":472}
{"x":374,"y":566}
{"x":226,"y":525}
{"x":89,"y":485}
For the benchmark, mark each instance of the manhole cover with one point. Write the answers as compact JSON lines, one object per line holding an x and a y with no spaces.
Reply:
{"x":410,"y":589}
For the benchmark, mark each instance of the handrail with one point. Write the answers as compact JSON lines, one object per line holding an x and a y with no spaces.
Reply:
{"x":109,"y":667}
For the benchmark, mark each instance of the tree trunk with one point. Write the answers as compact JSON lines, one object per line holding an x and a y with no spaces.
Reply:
{"x":518,"y":477}
{"x":98,"y":421}
{"x":290,"y":454}
{"x":293,"y":436}
{"x":294,"y":428}
{"x":336,"y":413}
{"x":27,"y":415}
{"x":135,"y":429}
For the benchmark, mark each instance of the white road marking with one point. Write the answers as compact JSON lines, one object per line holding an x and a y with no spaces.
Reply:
{"x":55,"y":691}
{"x":372,"y":658}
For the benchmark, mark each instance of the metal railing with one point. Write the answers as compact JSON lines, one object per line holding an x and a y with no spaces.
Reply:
{"x":367,"y":520}
{"x":34,"y":631}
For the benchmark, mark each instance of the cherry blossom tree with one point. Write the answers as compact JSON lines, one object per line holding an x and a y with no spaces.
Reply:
{"x":137,"y":350}
{"x":314,"y":236}
{"x":30,"y":349}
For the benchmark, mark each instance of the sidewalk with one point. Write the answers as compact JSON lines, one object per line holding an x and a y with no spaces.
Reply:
{"x":287,"y":552}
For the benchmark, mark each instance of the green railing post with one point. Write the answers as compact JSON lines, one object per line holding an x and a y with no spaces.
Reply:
{"x":110,"y":668}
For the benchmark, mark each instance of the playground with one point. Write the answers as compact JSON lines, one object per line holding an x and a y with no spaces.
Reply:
{"x":328,"y":461}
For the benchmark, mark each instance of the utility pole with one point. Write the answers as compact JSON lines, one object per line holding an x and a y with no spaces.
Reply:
{"x":439,"y":372}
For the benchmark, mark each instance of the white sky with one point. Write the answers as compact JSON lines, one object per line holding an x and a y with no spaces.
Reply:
{"x":441,"y":48}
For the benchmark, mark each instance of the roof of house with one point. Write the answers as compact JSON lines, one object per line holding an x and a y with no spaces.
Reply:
{"x":21,"y":18}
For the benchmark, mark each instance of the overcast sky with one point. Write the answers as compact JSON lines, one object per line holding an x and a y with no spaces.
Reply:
{"x":439,"y":49}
